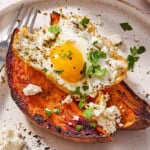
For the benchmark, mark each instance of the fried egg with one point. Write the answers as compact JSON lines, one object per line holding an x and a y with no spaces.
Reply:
{"x":76,"y":59}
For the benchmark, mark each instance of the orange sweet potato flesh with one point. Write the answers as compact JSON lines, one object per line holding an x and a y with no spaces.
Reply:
{"x":135,"y":112}
{"x":20,"y":75}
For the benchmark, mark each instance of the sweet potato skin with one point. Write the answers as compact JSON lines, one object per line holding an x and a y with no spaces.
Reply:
{"x":20,"y":75}
{"x":138,"y":109}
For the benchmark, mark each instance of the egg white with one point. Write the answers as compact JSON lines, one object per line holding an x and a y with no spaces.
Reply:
{"x":35,"y":50}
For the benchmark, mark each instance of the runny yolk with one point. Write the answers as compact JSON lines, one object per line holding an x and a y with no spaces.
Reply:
{"x":68,"y":61}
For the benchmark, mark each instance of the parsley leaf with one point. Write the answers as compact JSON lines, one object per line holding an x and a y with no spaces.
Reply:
{"x":55,"y":29}
{"x":84,"y":69}
{"x":82,"y":101}
{"x":126,"y":26}
{"x":57,"y":111}
{"x":48,"y":112}
{"x":133,"y":57}
{"x":68,"y":55}
{"x":95,"y":42}
{"x":88,"y":113}
{"x":58,"y":71}
{"x":45,"y":69}
{"x":97,"y":71}
{"x":76,"y":91}
{"x":93,"y":125}
{"x":85,"y":87}
{"x":94,"y":56}
{"x":141,"y":50}
{"x":79,"y":127}
{"x":84,"y":22}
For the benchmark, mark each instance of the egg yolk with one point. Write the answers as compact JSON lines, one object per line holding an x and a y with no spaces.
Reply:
{"x":68,"y":61}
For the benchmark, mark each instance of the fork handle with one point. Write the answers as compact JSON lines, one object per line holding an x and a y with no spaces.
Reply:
{"x":2,"y":54}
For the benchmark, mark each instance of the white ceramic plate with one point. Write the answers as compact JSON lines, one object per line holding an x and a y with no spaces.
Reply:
{"x":111,"y":13}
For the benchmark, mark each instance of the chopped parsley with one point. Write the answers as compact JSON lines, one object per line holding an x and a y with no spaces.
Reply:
{"x":95,"y":42}
{"x":96,"y":71}
{"x":57,"y":111}
{"x":82,"y":101}
{"x":94,"y":56}
{"x":85,"y":87}
{"x":79,"y":127}
{"x":58,"y":71}
{"x":133,"y":57}
{"x":45,"y":69}
{"x":126,"y":26}
{"x":93,"y":124}
{"x":68,"y":55}
{"x":55,"y":29}
{"x":88,"y":113}
{"x":84,"y":69}
{"x":76,"y":91}
{"x":84,"y":22}
{"x":48,"y":112}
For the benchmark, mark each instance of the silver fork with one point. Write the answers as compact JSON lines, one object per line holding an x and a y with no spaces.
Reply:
{"x":4,"y":44}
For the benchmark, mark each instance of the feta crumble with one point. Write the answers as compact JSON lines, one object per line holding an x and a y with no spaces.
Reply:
{"x":31,"y":89}
{"x":10,"y":140}
{"x":76,"y":118}
{"x":115,"y":39}
{"x":107,"y":117}
{"x":67,"y":100}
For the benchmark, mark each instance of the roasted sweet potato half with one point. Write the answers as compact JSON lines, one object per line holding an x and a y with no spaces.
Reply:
{"x":135,"y":112}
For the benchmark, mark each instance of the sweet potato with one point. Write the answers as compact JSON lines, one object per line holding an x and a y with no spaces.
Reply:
{"x":20,"y":75}
{"x":135,"y":112}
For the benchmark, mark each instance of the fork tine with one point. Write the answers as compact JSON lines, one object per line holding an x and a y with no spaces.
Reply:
{"x":33,"y":21}
{"x":26,"y":23}
{"x":23,"y":15}
{"x":14,"y":22}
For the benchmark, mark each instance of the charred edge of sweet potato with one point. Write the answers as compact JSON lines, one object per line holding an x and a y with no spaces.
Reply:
{"x":88,"y":135}
{"x":138,"y":107}
{"x":54,"y":17}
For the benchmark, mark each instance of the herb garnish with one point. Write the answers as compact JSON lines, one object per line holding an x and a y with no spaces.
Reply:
{"x":58,"y":71}
{"x":82,"y":101}
{"x":95,"y":42}
{"x":85,"y":87}
{"x":93,"y":124}
{"x":88,"y":113}
{"x":45,"y":69}
{"x":48,"y":112}
{"x":68,"y":55}
{"x":126,"y":26}
{"x":84,"y":22}
{"x":79,"y":127}
{"x":84,"y":69}
{"x":94,"y":56}
{"x":133,"y":57}
{"x":96,"y":71}
{"x":76,"y":91}
{"x":55,"y":29}
{"x":57,"y":111}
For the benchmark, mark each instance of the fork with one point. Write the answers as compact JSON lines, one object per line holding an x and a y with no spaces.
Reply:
{"x":4,"y":44}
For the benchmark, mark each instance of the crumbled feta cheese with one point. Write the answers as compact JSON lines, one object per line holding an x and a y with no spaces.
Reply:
{"x":116,"y":64}
{"x":76,"y":118}
{"x":104,"y":49}
{"x":31,"y":89}
{"x":67,"y":100}
{"x":98,"y":43}
{"x":115,"y":39}
{"x":136,"y":39}
{"x":10,"y":140}
{"x":70,"y":123}
{"x":107,"y":117}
